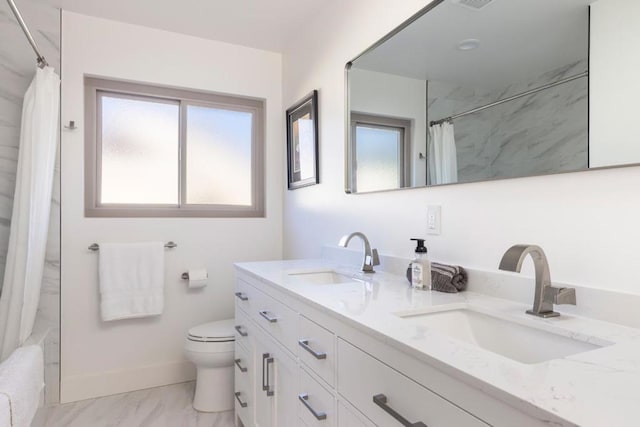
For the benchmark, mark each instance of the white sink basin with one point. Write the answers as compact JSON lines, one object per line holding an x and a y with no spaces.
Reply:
{"x":322,"y":277}
{"x":513,"y":340}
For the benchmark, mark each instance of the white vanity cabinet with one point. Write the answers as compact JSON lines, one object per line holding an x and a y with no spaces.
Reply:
{"x":276,"y":384}
{"x":244,"y":368}
{"x":317,"y":349}
{"x":312,"y":369}
{"x":278,"y":320}
{"x":317,"y":405}
{"x":244,"y":362}
{"x":262,"y":325}
{"x":387,"y":397}
{"x":351,"y":417}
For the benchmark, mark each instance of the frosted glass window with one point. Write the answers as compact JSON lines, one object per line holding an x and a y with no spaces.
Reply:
{"x":378,"y":159}
{"x":140,"y":148}
{"x":218,"y":156}
{"x":157,"y":151}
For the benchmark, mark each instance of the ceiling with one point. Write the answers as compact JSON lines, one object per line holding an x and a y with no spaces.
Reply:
{"x":518,"y":39}
{"x":262,"y":24}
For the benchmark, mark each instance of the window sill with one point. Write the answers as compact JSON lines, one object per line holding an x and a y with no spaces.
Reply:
{"x":174,"y":212}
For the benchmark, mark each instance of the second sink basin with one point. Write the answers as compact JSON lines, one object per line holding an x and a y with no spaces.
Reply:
{"x":513,"y":340}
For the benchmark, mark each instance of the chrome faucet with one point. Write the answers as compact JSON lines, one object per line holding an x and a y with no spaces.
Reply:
{"x":370,"y":255}
{"x":545,"y":294}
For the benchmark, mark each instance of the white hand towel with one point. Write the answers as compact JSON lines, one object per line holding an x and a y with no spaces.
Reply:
{"x":131,"y":280}
{"x":21,"y":381}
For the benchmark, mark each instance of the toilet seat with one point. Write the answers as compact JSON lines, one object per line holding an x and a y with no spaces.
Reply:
{"x":219,"y":331}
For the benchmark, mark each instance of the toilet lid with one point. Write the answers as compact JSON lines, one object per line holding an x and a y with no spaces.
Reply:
{"x":219,"y":331}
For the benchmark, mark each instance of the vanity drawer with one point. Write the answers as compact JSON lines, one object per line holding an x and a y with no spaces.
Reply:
{"x":243,"y":329}
{"x":243,"y":389}
{"x":245,"y":295}
{"x":277,"y":319}
{"x":243,"y":363}
{"x":316,"y":348}
{"x":364,"y":380}
{"x":316,"y":405}
{"x":349,"y":417}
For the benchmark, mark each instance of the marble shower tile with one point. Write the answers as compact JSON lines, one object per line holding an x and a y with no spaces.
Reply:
{"x":542,"y":133}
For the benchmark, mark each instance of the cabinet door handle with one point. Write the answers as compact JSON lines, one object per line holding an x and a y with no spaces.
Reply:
{"x":240,"y":331}
{"x":266,"y":360}
{"x":381,"y":401}
{"x":265,"y":314}
{"x":242,"y":404}
{"x":264,"y":384}
{"x":242,"y":368}
{"x":304,"y":398}
{"x":242,"y":296}
{"x":318,"y":355}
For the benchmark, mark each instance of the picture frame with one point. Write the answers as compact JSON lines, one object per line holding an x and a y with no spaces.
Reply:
{"x":302,"y":142}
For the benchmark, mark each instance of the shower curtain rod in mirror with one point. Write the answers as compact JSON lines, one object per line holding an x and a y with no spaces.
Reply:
{"x":511,"y":98}
{"x":41,"y":61}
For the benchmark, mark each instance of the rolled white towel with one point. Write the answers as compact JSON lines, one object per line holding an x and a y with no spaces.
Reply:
{"x":21,"y":381}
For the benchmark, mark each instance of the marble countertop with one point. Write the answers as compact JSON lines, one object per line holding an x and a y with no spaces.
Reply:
{"x":594,"y":388}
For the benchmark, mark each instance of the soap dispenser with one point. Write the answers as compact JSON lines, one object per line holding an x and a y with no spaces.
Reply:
{"x":420,"y":267}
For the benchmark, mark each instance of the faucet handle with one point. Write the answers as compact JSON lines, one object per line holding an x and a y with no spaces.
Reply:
{"x":376,"y":258}
{"x":371,"y":260}
{"x":563,"y":295}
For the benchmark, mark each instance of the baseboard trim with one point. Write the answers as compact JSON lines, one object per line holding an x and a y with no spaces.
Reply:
{"x":82,"y":387}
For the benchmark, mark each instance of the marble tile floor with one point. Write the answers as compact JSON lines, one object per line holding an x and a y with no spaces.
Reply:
{"x":168,"y":406}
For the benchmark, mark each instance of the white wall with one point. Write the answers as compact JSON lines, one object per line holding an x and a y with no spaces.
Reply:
{"x":399,"y":97}
{"x":587,"y":222}
{"x":104,"y":358}
{"x":614,"y":88}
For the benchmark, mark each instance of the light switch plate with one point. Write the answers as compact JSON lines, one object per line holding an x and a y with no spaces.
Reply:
{"x":434,"y":217}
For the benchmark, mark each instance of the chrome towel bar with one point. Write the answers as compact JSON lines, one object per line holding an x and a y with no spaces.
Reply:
{"x":96,"y":247}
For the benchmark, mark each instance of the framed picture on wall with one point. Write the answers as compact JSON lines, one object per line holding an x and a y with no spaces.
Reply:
{"x":302,"y":142}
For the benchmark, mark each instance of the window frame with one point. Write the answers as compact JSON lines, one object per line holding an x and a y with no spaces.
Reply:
{"x":97,"y":87}
{"x":404,"y":149}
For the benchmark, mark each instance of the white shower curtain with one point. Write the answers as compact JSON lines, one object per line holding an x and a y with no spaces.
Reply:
{"x":31,"y":208}
{"x":443,"y":162}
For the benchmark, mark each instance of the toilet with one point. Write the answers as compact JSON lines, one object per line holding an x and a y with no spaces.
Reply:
{"x":210,"y":347}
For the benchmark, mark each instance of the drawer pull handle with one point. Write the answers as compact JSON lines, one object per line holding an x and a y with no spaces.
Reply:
{"x":242,"y":404}
{"x":242,"y":368}
{"x":242,"y":296}
{"x":265,"y":314}
{"x":304,"y":398}
{"x":266,"y":360}
{"x":381,"y":401}
{"x":240,"y":331}
{"x":318,"y":355}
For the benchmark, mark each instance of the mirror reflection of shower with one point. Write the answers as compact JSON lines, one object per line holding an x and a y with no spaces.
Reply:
{"x":513,"y":131}
{"x":443,"y":156}
{"x":510,"y":77}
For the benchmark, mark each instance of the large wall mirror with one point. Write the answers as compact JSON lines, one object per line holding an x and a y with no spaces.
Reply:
{"x":475,"y":90}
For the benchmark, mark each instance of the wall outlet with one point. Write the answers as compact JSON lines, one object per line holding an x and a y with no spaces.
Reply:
{"x":434,"y":217}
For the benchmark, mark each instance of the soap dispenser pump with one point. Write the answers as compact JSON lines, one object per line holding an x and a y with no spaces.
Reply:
{"x":420,"y":267}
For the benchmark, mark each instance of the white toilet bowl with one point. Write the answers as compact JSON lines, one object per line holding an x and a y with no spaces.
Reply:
{"x":210,"y":347}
